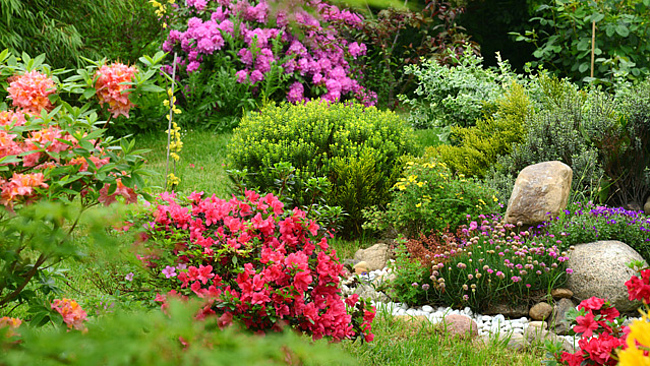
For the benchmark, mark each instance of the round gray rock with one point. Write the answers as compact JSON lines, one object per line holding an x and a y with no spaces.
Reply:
{"x":600,"y":269}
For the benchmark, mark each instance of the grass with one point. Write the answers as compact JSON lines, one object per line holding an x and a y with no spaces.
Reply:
{"x":202,"y":164}
{"x":401,"y":343}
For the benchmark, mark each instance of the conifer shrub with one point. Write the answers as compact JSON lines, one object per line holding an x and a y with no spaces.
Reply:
{"x":478,"y":147}
{"x":357,"y":149}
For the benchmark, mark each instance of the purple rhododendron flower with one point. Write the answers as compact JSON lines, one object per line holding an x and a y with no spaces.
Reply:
{"x":169,"y":272}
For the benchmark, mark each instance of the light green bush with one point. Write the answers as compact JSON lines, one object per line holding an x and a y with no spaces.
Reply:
{"x":454,"y":95}
{"x":479,"y":146}
{"x":357,"y":149}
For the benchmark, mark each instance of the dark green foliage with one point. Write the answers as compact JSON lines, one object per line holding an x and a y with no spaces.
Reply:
{"x":67,"y":30}
{"x":562,"y":34}
{"x":357,"y":149}
{"x":399,"y":37}
{"x":623,"y":142}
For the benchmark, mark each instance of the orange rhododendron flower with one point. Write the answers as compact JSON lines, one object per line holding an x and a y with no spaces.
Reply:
{"x":30,"y":91}
{"x":73,"y":315}
{"x":110,"y":89}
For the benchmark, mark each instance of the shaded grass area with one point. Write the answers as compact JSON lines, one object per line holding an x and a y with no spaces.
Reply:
{"x":402,"y":343}
{"x":202,"y":164}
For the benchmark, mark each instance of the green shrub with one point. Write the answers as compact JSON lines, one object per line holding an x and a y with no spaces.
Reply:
{"x":454,"y":95}
{"x":430,"y":199}
{"x":621,"y":133}
{"x":413,"y":284}
{"x":556,"y":132}
{"x":479,"y":146}
{"x":357,"y":149}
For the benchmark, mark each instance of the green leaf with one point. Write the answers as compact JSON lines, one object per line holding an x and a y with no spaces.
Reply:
{"x":583,"y":67}
{"x":622,"y":30}
{"x":89,"y":93}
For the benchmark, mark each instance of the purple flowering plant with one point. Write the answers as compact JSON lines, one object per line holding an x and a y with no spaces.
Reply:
{"x":265,"y":51}
{"x":587,"y":222}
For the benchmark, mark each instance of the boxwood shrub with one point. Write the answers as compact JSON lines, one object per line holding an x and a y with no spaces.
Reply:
{"x":357,"y":149}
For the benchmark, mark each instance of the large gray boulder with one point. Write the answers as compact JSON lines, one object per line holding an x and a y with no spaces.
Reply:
{"x":600,"y":269}
{"x":541,"y":191}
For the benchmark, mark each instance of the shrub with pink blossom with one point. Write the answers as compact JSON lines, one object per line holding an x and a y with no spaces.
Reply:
{"x":253,"y":263}
{"x":489,"y":264}
{"x":293,"y":53}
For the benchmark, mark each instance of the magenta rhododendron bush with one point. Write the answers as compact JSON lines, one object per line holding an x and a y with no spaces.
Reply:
{"x":253,"y":263}
{"x":300,"y":50}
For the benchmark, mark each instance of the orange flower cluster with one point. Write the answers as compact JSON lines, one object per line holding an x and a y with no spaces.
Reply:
{"x":20,"y":185}
{"x":111,"y":87}
{"x":30,"y":92}
{"x":73,"y":315}
{"x":9,"y":117}
{"x":12,"y":323}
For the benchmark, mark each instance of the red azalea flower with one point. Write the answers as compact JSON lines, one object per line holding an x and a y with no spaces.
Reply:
{"x":586,"y":325}
{"x":592,"y":303}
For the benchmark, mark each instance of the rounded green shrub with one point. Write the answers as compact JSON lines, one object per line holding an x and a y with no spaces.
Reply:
{"x":357,"y":149}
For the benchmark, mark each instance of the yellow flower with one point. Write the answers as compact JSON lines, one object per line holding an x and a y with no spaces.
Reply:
{"x":418,"y":205}
{"x":481,"y":202}
{"x":495,"y":199}
{"x":420,"y":184}
{"x":173,"y":180}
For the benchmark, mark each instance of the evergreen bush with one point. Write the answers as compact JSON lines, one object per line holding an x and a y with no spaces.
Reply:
{"x":357,"y":149}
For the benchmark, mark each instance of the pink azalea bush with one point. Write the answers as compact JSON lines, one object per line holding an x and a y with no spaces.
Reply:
{"x":54,"y":160}
{"x":251,"y":262}
{"x":29,"y":92}
{"x":262,"y":45}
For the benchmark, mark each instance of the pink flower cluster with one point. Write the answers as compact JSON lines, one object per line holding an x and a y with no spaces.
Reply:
{"x":254,"y":263}
{"x":30,"y":92}
{"x":317,"y":62}
{"x":73,"y":315}
{"x":111,"y":87}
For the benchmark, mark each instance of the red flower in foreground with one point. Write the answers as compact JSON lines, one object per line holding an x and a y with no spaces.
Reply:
{"x":639,"y":288}
{"x":586,"y":325}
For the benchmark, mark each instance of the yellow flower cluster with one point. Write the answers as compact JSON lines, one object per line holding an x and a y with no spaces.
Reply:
{"x":638,"y":341}
{"x":175,"y":143}
{"x":173,"y":180}
{"x":161,"y":9}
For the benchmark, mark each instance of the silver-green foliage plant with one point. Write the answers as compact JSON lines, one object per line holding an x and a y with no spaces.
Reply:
{"x":454,"y":95}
